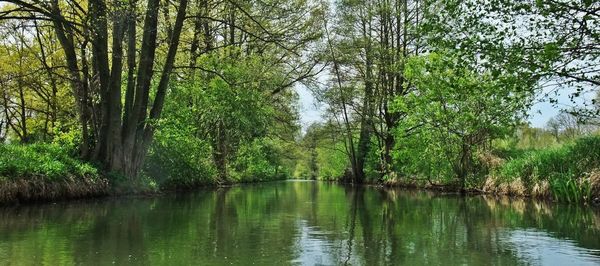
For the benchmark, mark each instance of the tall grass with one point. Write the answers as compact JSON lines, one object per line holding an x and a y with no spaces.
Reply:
{"x":567,"y":168}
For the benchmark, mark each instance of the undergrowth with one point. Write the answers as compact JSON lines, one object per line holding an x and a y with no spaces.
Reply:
{"x":568,"y":169}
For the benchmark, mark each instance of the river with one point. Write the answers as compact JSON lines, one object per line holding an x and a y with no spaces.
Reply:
{"x":300,"y":223}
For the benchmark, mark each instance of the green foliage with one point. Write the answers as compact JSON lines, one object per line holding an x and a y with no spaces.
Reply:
{"x":259,"y":160}
{"x":332,"y":162}
{"x":236,"y":98}
{"x":69,"y":139}
{"x":446,"y":88}
{"x":227,"y":117}
{"x":424,"y":154}
{"x":451,"y":112}
{"x":46,"y":162}
{"x":373,"y":171}
{"x":321,"y":157}
{"x":538,"y":164}
{"x":535,"y":38}
{"x":571,"y":190}
{"x":32,"y":96}
{"x":586,"y":153}
{"x":177,"y":160}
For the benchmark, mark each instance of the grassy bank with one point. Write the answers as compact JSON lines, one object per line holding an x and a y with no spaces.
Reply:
{"x":569,"y":172}
{"x":46,"y":172}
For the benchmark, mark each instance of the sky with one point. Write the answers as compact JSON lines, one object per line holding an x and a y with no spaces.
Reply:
{"x":310,"y":110}
{"x":541,"y":112}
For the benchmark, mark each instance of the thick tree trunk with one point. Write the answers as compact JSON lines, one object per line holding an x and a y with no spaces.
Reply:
{"x":131,"y":68}
{"x":84,"y":106}
{"x":133,"y":129}
{"x":79,"y":88}
{"x":124,"y":134}
{"x":464,"y":165}
{"x":208,"y":39}
{"x":99,"y":32}
{"x":145,"y":131}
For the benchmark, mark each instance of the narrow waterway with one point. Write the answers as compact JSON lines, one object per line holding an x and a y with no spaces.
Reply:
{"x":300,"y":222}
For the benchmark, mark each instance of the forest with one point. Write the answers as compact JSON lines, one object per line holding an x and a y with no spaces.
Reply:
{"x":140,"y":96}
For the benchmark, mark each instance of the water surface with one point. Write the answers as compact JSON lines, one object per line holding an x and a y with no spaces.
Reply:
{"x":300,"y":223}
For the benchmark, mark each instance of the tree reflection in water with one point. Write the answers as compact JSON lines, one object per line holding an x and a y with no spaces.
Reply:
{"x":298,"y":222}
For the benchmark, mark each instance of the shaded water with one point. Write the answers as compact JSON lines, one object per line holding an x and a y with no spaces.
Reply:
{"x":298,"y":222}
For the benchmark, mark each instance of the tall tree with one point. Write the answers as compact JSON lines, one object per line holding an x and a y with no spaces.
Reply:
{"x":373,"y":40}
{"x":120,"y":135}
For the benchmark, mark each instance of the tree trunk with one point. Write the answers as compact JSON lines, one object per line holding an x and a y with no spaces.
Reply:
{"x":364,"y":140}
{"x":389,"y":142}
{"x":349,"y":137}
{"x":124,"y":134}
{"x":220,"y":152}
{"x":23,"y":112}
{"x":464,"y":164}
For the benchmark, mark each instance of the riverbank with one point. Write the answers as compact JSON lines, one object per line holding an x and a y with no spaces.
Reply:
{"x":512,"y":190}
{"x":567,"y":173}
{"x":42,"y":172}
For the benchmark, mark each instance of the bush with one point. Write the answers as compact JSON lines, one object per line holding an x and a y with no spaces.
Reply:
{"x":332,"y":162}
{"x":178,"y":160}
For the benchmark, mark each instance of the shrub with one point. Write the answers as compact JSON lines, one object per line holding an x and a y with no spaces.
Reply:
{"x":179,"y":160}
{"x":332,"y":162}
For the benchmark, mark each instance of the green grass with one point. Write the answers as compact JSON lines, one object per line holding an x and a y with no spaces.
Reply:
{"x":42,"y":161}
{"x":46,"y":172}
{"x":565,"y":167}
